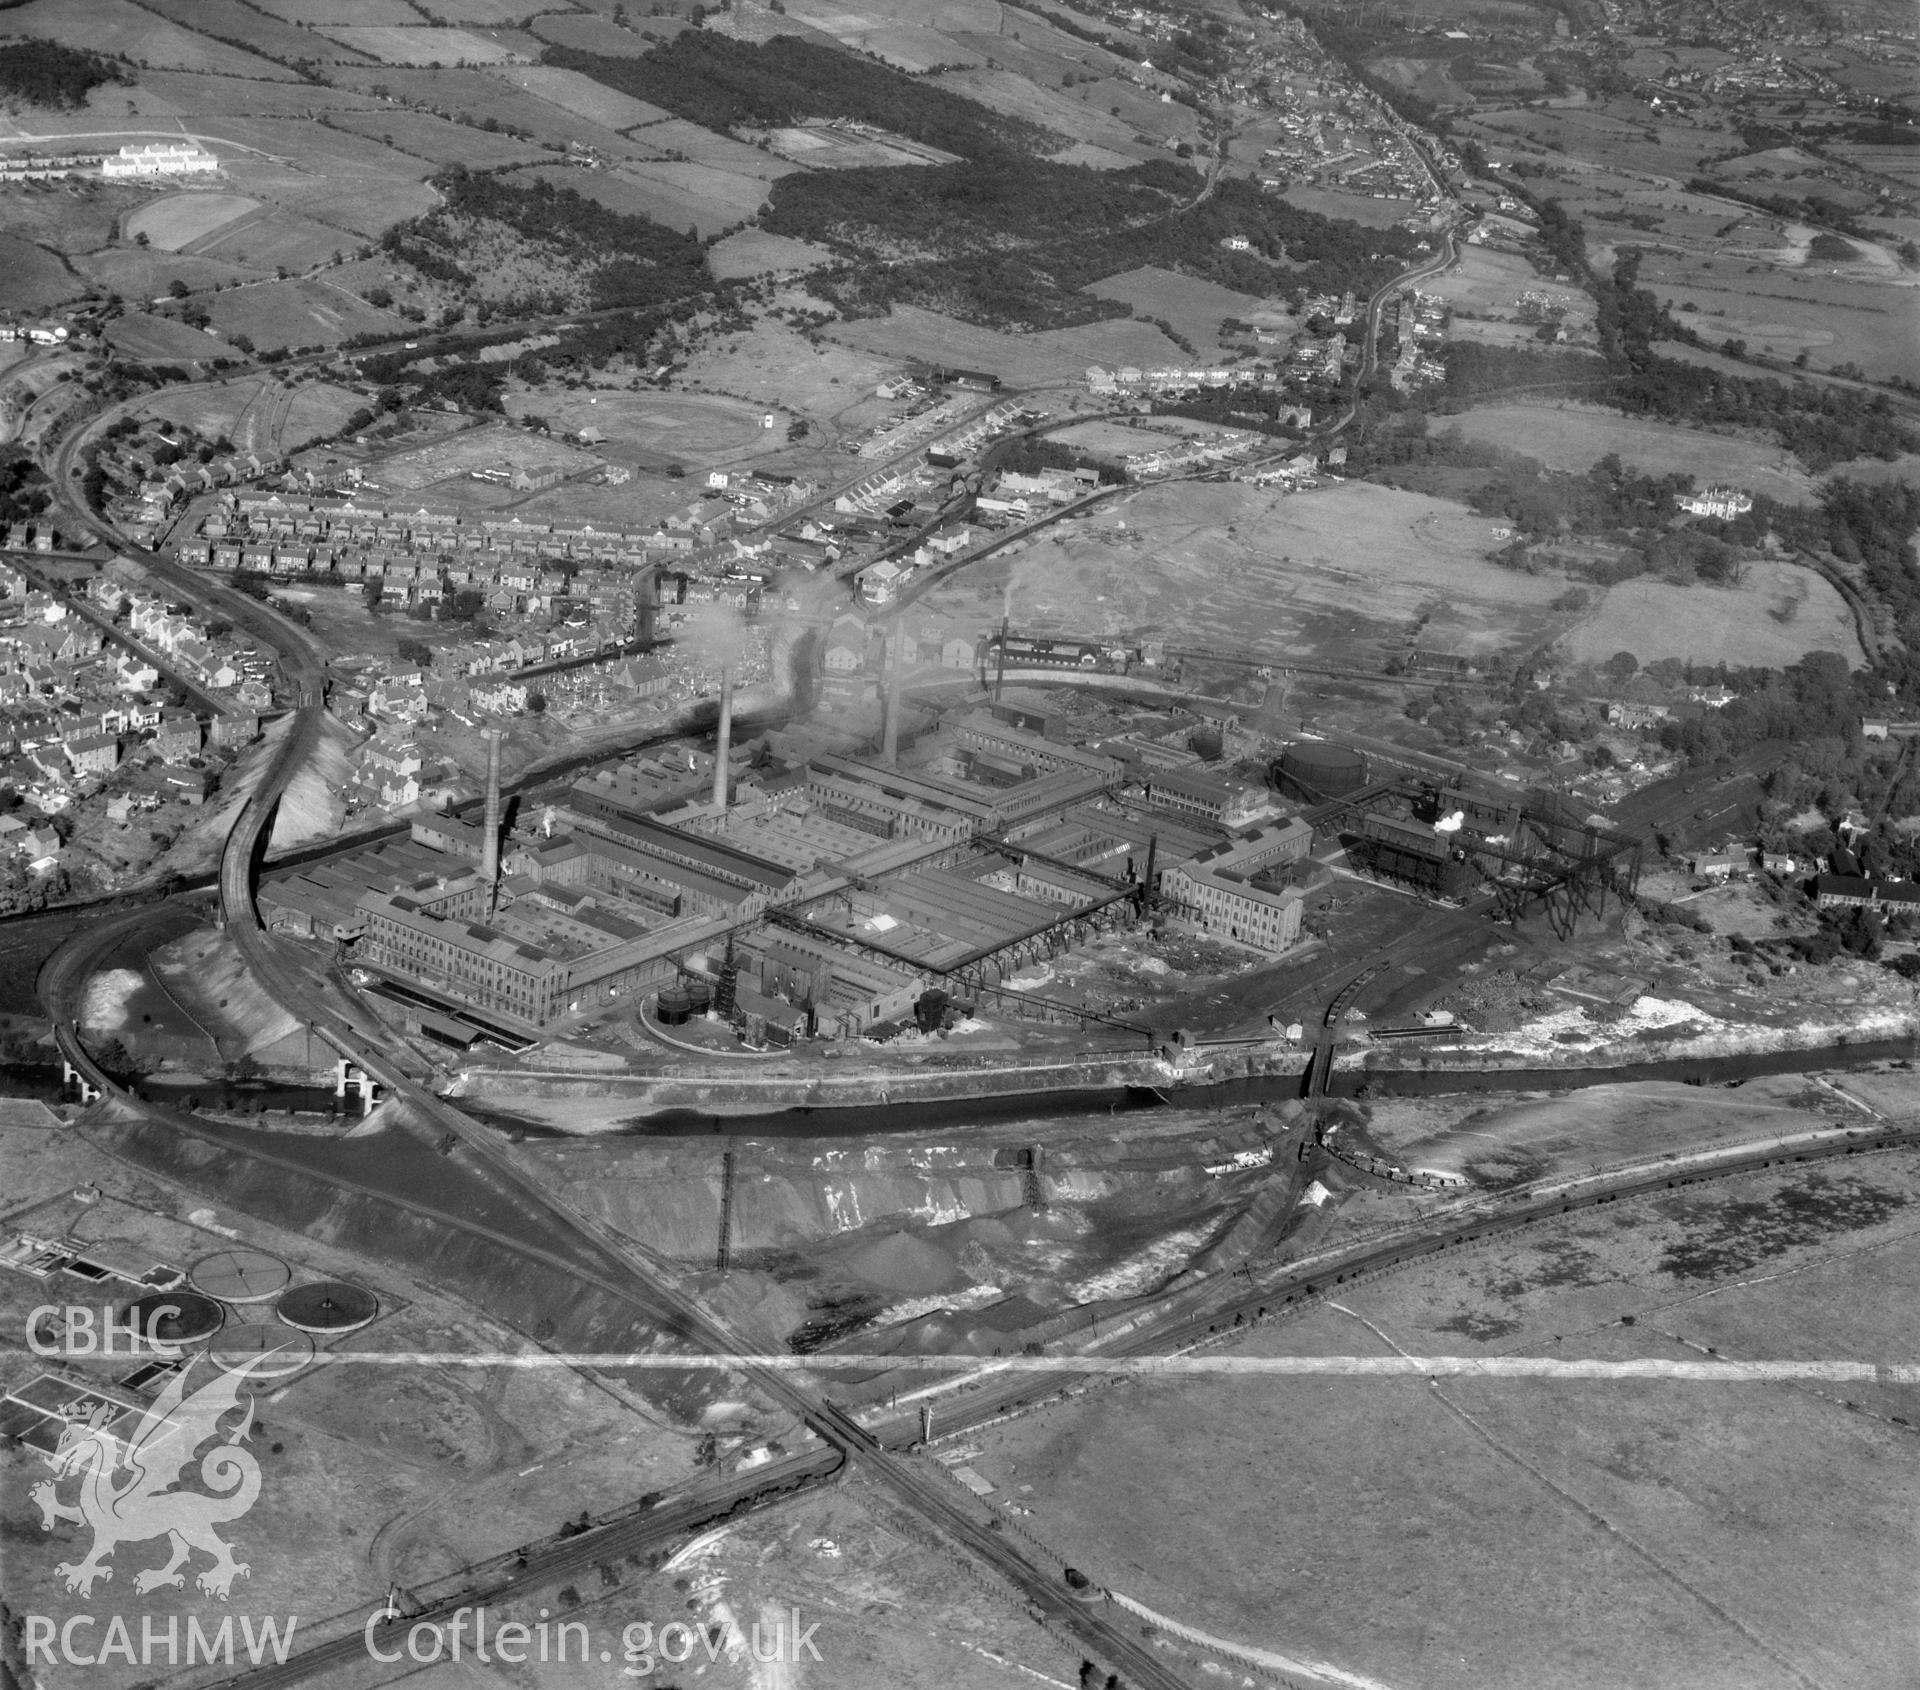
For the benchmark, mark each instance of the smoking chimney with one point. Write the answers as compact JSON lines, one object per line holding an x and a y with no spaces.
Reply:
{"x":1145,"y":889}
{"x":724,"y":743}
{"x":896,"y":665}
{"x":1000,"y":664}
{"x":647,"y":606}
{"x":490,"y":827}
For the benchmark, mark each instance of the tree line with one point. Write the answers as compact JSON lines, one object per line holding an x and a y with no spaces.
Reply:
{"x":724,"y":85}
{"x":1013,"y":249}
{"x":630,"y":260}
{"x":47,"y":73}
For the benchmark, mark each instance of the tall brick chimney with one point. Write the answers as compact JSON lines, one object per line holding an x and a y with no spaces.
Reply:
{"x":490,"y":826}
{"x":724,"y":743}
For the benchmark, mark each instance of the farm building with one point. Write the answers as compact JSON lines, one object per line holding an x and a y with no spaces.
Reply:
{"x":1719,"y":865}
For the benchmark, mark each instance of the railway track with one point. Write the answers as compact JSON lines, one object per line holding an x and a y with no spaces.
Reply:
{"x":595,"y":1254}
{"x":527,"y":1571}
{"x":1232,"y":1308}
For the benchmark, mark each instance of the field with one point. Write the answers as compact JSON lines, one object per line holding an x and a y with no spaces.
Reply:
{"x":1779,"y":613}
{"x":1490,"y":284}
{"x":1087,"y":122}
{"x":181,"y":219}
{"x":35,"y":277}
{"x":360,"y":13}
{"x":1906,"y":467}
{"x":1353,"y":208}
{"x":773,"y":366}
{"x":257,"y":414}
{"x":232,"y":20}
{"x":913,"y":37}
{"x":491,"y":446}
{"x":754,"y":252}
{"x":1833,"y":319}
{"x":1887,"y":161}
{"x":206,"y":100}
{"x":1426,"y":79}
{"x":1622,"y":141}
{"x":677,"y":195}
{"x":438,"y":140}
{"x":704,"y":147}
{"x":1796,"y":173}
{"x":1349,"y":570}
{"x":276,"y":240}
{"x":282,"y":240}
{"x":221,"y":408}
{"x":1116,"y":441}
{"x":420,"y":46}
{"x":135,"y":34}
{"x":1576,"y":437}
{"x":1500,"y":1534}
{"x":481,"y":94}
{"x":328,"y":174}
{"x":581,"y":95}
{"x":1543,"y":1135}
{"x":698,"y":428}
{"x":700,"y":195}
{"x":820,"y":147}
{"x":591,"y":35}
{"x":160,"y":340}
{"x":298,"y":313}
{"x":1054,"y":355}
{"x":1195,"y":308}
{"x":482,"y":11}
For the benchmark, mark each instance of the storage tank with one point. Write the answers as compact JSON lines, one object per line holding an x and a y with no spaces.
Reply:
{"x":699,"y":996}
{"x":1311,"y":770}
{"x":673,"y":1008}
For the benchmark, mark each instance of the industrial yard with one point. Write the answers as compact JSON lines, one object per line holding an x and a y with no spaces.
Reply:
{"x":957,"y":843}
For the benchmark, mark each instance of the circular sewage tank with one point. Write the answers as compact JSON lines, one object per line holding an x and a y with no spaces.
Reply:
{"x":174,"y":1317}
{"x":240,"y":1276}
{"x":276,"y":1352}
{"x":330,"y":1307}
{"x":1312,"y":770}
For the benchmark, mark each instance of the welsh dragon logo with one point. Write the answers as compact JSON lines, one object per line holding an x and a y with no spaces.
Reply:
{"x":149,"y":1501}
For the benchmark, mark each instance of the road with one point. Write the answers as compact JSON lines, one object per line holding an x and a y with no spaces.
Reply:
{"x":604,"y":1255}
{"x":1447,"y":256}
{"x":926,"y":1491}
{"x":614,"y":1259}
{"x":1444,"y":259}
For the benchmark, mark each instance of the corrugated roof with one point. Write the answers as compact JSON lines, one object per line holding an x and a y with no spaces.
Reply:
{"x":724,"y":860}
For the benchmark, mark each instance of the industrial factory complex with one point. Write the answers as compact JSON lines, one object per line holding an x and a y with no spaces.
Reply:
{"x":826,"y":895}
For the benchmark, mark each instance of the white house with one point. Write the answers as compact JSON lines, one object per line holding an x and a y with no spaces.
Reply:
{"x":159,"y":158}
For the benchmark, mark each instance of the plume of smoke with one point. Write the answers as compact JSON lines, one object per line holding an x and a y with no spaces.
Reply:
{"x":814,"y":598}
{"x":713,"y":637}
